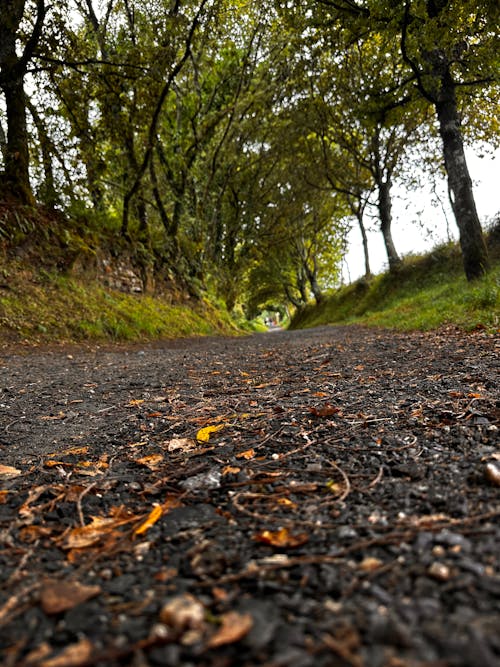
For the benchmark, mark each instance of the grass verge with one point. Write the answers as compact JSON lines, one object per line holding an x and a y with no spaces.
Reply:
{"x":425,"y":293}
{"x":48,"y":307}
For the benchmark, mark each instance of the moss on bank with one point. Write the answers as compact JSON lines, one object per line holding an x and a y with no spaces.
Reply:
{"x":40,"y":306}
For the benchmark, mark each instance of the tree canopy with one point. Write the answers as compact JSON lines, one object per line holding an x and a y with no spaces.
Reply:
{"x":232,"y":144}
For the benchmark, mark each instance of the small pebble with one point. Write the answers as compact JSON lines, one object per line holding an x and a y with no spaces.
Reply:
{"x":439,"y":571}
{"x":369,"y":564}
{"x":492,"y":473}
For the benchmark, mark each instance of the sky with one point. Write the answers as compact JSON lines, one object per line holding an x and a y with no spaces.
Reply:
{"x":414,"y":231}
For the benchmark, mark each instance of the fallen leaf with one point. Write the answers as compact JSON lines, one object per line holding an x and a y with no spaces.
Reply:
{"x":9,"y":471}
{"x":32,"y":533}
{"x":3,"y":497}
{"x":183,"y":444}
{"x":60,"y":415}
{"x":286,"y":502}
{"x":71,"y":656}
{"x":335,"y":487}
{"x":282,"y":538}
{"x":135,"y":401}
{"x":37,"y":654}
{"x":370,"y":564}
{"x":52,"y":463}
{"x":231,"y":470}
{"x":153,"y":517}
{"x":234,"y":627}
{"x":152,"y":461}
{"x":86,"y":536}
{"x":204,"y":434}
{"x":71,"y":451}
{"x":247,"y":454}
{"x":326,"y":411}
{"x":57,"y":596}
{"x":183,"y":612}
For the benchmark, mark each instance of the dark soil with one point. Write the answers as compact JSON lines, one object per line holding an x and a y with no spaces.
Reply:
{"x":346,"y":512}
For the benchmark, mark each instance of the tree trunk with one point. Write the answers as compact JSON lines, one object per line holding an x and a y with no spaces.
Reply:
{"x":16,"y":179}
{"x":313,"y":282}
{"x":474,"y":251}
{"x":3,"y":144}
{"x":385,"y":213}
{"x":47,"y":191}
{"x":359,"y":216}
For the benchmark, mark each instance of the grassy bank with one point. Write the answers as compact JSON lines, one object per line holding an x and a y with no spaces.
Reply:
{"x":425,"y":293}
{"x":39,"y":307}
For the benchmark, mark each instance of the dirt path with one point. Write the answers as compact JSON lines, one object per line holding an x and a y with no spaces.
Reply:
{"x":299,"y":499}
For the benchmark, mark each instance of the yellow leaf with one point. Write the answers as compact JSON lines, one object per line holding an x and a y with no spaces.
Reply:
{"x":282,"y":538}
{"x":287,"y":502}
{"x":136,"y":401}
{"x":153,"y":517}
{"x":203,"y":434}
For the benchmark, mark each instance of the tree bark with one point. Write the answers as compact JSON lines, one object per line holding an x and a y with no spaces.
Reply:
{"x":473,"y":246}
{"x":357,"y":206}
{"x":16,"y":180}
{"x":385,"y":213}
{"x":47,"y":191}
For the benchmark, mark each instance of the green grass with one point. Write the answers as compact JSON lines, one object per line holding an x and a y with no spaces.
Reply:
{"x":425,"y":293}
{"x":49,"y":307}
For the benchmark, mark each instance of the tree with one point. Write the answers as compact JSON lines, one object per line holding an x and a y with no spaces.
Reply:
{"x":447,"y":47}
{"x":14,"y":14}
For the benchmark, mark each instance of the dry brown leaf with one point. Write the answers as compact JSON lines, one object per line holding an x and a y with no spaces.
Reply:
{"x":183,"y":612}
{"x":71,"y":656}
{"x":370,"y":564}
{"x":182,"y":444}
{"x":247,"y":454}
{"x":60,"y":415}
{"x":326,"y":411}
{"x":282,"y":538}
{"x":152,"y":461}
{"x":73,"y":451}
{"x":9,"y":471}
{"x":234,"y":627}
{"x":230,"y":470}
{"x":86,"y":536}
{"x":57,"y":596}
{"x":41,"y":651}
{"x":52,"y":463}
{"x":32,"y":533}
{"x":25,"y":511}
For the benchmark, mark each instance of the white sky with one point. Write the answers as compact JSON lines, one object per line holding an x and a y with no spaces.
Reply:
{"x":407,"y":233}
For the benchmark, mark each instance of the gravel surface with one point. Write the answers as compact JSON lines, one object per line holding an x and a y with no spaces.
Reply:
{"x":318,"y":498}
